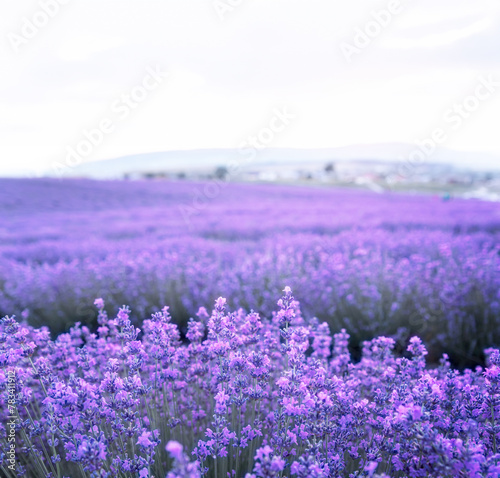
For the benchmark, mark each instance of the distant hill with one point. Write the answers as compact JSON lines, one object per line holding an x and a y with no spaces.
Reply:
{"x":208,"y":159}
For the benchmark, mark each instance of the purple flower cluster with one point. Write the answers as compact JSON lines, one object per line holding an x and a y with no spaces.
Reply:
{"x":245,"y":396}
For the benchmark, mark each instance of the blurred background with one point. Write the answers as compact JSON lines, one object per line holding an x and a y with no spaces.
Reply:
{"x":167,"y":153}
{"x":323,"y":92}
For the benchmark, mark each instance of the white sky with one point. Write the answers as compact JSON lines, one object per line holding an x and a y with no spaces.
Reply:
{"x":226,"y":76}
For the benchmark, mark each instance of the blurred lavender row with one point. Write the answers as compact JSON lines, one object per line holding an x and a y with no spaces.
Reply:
{"x":375,"y":264}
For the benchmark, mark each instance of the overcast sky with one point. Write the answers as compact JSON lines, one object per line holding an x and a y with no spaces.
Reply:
{"x":230,"y":67}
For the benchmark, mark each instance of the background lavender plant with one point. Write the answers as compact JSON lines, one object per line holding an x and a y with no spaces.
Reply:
{"x":389,"y":264}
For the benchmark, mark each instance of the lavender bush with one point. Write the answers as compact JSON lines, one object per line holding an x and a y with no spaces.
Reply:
{"x":248,"y":396}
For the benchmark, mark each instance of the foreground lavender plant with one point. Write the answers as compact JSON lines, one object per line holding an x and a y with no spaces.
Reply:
{"x":246,"y":397}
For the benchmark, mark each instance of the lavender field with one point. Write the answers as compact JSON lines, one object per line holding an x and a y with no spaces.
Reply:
{"x":390,"y":264}
{"x":185,"y":362}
